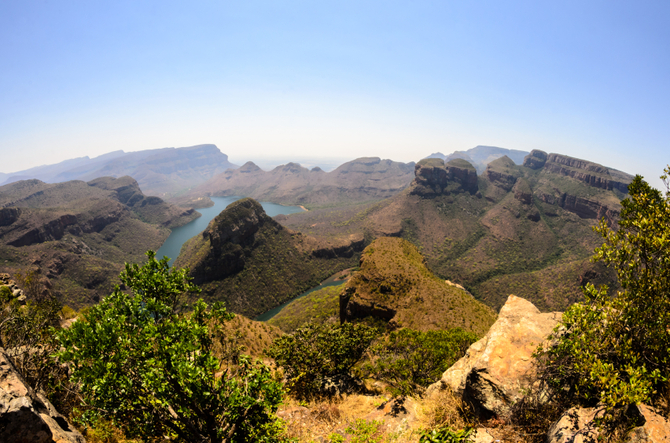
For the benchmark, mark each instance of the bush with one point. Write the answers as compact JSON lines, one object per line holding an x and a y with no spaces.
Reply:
{"x":144,"y":360}
{"x":410,"y":360}
{"x":316,"y":354}
{"x":616,"y":350}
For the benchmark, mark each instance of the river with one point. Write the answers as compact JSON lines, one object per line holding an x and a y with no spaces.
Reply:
{"x":178,"y":237}
{"x":274,"y":311}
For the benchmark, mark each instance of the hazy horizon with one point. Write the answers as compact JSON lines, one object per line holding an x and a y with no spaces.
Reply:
{"x":336,"y":79}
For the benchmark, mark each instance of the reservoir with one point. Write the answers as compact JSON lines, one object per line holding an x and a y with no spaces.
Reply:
{"x":178,"y":237}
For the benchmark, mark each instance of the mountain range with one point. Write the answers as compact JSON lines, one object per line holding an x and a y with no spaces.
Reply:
{"x":160,"y":172}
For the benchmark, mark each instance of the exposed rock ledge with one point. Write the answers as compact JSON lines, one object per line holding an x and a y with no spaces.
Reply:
{"x":26,"y":416}
{"x":495,"y":370}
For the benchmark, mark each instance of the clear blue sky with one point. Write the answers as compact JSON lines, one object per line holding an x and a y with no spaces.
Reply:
{"x":343,"y":79}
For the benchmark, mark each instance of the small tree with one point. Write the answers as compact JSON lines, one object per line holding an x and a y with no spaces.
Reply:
{"x":616,"y":350}
{"x":144,"y":360}
{"x":315,"y":353}
{"x":410,"y":360}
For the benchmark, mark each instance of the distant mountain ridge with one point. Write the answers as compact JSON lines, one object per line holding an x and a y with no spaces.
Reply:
{"x":160,"y":172}
{"x":480,"y":156}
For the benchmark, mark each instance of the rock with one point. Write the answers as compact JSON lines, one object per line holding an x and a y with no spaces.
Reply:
{"x":433,"y":177}
{"x":592,"y":174}
{"x":397,"y":415}
{"x":9,"y":216}
{"x":503,"y":173}
{"x":655,"y":429}
{"x":522,"y":191}
{"x":575,"y":426}
{"x":481,"y":435}
{"x":26,"y":416}
{"x":535,"y":160}
{"x":496,"y":369}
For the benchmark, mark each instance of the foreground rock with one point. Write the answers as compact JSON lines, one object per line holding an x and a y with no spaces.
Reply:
{"x":495,"y":370}
{"x":26,"y":416}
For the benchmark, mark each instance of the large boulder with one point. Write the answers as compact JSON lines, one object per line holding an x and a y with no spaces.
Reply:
{"x":497,"y":369}
{"x":26,"y":416}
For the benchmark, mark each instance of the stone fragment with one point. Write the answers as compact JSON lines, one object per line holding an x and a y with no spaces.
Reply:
{"x":576,"y":425}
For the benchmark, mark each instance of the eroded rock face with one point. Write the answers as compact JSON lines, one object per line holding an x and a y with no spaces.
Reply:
{"x":495,"y":370}
{"x":434,"y":177}
{"x":26,"y":416}
{"x":535,"y":160}
{"x":593,"y":174}
{"x":9,"y":216}
{"x":583,"y":207}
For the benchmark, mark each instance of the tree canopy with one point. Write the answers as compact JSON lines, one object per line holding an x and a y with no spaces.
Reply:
{"x":615,"y":350}
{"x":144,"y":359}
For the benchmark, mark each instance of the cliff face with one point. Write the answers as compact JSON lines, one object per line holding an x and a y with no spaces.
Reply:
{"x":593,"y":174}
{"x":433,"y":177}
{"x":503,"y":173}
{"x":77,"y":235}
{"x":253,"y":264}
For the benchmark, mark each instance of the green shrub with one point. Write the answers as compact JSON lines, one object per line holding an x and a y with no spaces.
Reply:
{"x":410,"y":360}
{"x":315,"y":353}
{"x":144,"y":360}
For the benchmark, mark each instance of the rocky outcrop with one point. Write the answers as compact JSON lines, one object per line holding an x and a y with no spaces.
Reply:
{"x":495,"y":370}
{"x":503,"y":173}
{"x":522,"y":191}
{"x":52,"y":230}
{"x":9,"y":216}
{"x":592,"y":174}
{"x":581,"y":206}
{"x":227,"y":235}
{"x":26,"y":416}
{"x":8,"y":288}
{"x":434,"y":177}
{"x":535,"y":160}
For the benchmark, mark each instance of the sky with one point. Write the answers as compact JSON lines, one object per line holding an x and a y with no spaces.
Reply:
{"x":339,"y":80}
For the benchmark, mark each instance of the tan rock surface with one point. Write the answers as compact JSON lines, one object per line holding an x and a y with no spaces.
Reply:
{"x":26,"y":416}
{"x":496,"y":369}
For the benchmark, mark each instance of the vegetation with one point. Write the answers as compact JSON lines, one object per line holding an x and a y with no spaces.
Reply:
{"x":616,"y":350}
{"x":320,"y":306}
{"x":395,"y":285}
{"x":410,"y":360}
{"x":145,"y":360}
{"x":316,"y":355}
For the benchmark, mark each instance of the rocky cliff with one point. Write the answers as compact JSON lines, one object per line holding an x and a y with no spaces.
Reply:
{"x":76,"y":236}
{"x":435,"y":177}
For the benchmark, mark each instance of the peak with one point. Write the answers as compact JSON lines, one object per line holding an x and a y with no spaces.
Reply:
{"x":249,"y":167}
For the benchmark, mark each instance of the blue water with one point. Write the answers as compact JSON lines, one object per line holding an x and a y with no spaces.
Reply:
{"x":272,"y":312}
{"x":180,"y":235}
